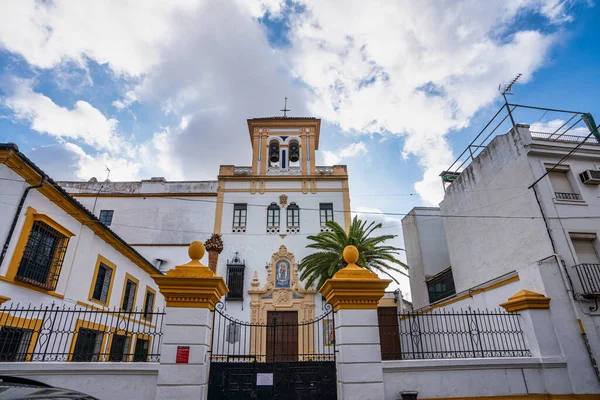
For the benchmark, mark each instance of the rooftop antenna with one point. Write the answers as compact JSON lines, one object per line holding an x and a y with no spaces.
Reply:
{"x":504,"y":89}
{"x":285,"y":109}
{"x":101,"y":187}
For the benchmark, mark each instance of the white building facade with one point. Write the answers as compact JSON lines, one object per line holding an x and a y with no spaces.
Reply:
{"x":499,"y":235}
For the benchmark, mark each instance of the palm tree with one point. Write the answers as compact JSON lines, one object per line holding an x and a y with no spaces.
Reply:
{"x":373,"y":255}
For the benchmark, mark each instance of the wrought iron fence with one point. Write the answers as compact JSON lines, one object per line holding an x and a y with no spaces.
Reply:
{"x":282,"y":338}
{"x":453,"y":334}
{"x":589,"y":276}
{"x":60,"y":333}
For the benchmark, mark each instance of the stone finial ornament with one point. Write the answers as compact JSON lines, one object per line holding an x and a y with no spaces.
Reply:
{"x":354,"y":287}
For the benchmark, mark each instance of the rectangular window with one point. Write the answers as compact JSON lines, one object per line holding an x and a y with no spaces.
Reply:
{"x":563,"y":190}
{"x":43,"y":256}
{"x":293,"y":215}
{"x":326,"y":213}
{"x":585,"y":250}
{"x":102,"y":283}
{"x":119,"y":348}
{"x":142,"y":346}
{"x":239,"y":215}
{"x":14,"y":343}
{"x":149,"y":303}
{"x":88,"y":345}
{"x":273,"y":216}
{"x":235,"y":282}
{"x":129,"y":293}
{"x":441,"y":286}
{"x":106,"y":217}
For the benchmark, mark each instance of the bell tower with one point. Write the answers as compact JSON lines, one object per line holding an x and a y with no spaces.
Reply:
{"x":284,"y":145}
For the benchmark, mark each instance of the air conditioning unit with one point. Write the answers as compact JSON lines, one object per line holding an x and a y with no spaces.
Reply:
{"x":590,"y":177}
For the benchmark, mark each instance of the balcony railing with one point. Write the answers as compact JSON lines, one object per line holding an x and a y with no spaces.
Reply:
{"x":589,"y":276}
{"x":567,"y":196}
{"x":242,"y":170}
{"x":554,"y":137}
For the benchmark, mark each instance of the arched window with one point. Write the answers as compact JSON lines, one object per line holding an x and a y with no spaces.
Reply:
{"x":294,"y":149}
{"x":274,"y":153}
{"x":273,"y":215}
{"x":293,"y":216}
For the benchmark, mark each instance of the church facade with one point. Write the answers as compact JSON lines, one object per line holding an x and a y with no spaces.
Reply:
{"x":264,"y":213}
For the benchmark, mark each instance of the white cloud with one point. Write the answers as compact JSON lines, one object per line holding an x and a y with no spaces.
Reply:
{"x":82,"y":122}
{"x":559,"y":127}
{"x":352,"y":150}
{"x":87,"y":166}
{"x":413,"y":68}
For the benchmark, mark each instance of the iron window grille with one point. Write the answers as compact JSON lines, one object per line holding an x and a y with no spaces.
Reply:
{"x":148,"y":304}
{"x":102,"y":285}
{"x":235,"y":278}
{"x":78,"y":334}
{"x":43,"y":256}
{"x":441,"y":286}
{"x":326,"y":213}
{"x":293,"y":215}
{"x":106,"y":216}
{"x":129,"y":295}
{"x":567,"y":196}
{"x":589,"y":277}
{"x":239,"y":215}
{"x":273,"y":215}
{"x":14,"y":343}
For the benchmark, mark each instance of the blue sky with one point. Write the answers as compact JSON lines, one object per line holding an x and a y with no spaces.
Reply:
{"x":401,"y":87}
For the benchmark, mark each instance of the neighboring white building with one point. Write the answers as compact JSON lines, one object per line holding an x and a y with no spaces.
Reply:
{"x":264,"y":212}
{"x":500,"y":238}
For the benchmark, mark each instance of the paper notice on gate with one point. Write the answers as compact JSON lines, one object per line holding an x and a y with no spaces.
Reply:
{"x":264,"y":379}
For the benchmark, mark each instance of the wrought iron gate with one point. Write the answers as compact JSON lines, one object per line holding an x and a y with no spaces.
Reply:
{"x":281,"y":359}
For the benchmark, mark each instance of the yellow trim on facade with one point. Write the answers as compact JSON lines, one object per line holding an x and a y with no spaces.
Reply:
{"x":137,"y":286}
{"x":219,"y":208}
{"x":120,"y":332}
{"x":314,"y":142}
{"x":524,"y":397}
{"x":31,"y":216}
{"x":303,"y":153}
{"x":52,"y":193}
{"x":148,"y":289}
{"x":347,"y":209}
{"x":33,"y":324}
{"x":110,"y":265}
{"x":526,"y":300}
{"x":143,"y":195}
{"x":83,"y":324}
{"x":143,"y":336}
{"x":159,"y":244}
{"x":297,"y":190}
{"x":4,"y":299}
{"x":472,"y":293}
{"x":387,"y":302}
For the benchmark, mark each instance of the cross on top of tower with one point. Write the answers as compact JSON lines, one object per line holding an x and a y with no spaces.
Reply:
{"x":285,"y":109}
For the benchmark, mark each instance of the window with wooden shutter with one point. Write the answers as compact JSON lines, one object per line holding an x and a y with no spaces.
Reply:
{"x":129,"y":293}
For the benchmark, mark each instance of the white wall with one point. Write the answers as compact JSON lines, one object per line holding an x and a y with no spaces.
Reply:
{"x":105,"y":381}
{"x":426,"y":250}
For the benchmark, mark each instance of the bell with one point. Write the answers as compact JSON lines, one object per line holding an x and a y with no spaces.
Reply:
{"x":274,"y":156}
{"x":294,"y":156}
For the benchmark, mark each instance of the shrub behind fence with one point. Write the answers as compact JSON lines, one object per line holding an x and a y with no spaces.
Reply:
{"x":60,"y":333}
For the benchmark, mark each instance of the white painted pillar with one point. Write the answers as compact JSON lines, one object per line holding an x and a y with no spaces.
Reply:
{"x":359,"y":368}
{"x":185,"y":328}
{"x":191,"y":292}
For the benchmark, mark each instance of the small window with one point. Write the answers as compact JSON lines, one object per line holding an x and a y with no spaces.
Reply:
{"x":235,"y":278}
{"x":293,"y":216}
{"x":563,"y":189}
{"x":149,"y":303}
{"x":140,"y":353}
{"x":585,"y":251}
{"x":441,"y":286}
{"x":106,"y":217}
{"x":326,"y":213}
{"x":103,"y":282}
{"x":14,"y":343}
{"x":129,"y":292}
{"x":239,"y":215}
{"x":88,"y":345}
{"x":119,"y":348}
{"x":43,"y":256}
{"x":273,"y":215}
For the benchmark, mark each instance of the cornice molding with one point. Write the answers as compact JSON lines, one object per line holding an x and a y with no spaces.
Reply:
{"x":526,"y":300}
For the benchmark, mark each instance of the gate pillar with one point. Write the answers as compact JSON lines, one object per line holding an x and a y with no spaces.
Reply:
{"x":354,"y":293}
{"x":191,"y":292}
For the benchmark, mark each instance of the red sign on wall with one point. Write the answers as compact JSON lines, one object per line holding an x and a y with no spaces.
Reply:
{"x":183,"y":354}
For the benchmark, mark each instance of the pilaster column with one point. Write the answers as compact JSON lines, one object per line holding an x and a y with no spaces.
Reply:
{"x":536,"y":322}
{"x":191,"y":292}
{"x":354,"y":293}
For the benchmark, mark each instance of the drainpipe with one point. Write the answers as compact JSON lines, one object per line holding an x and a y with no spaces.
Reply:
{"x":16,"y":217}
